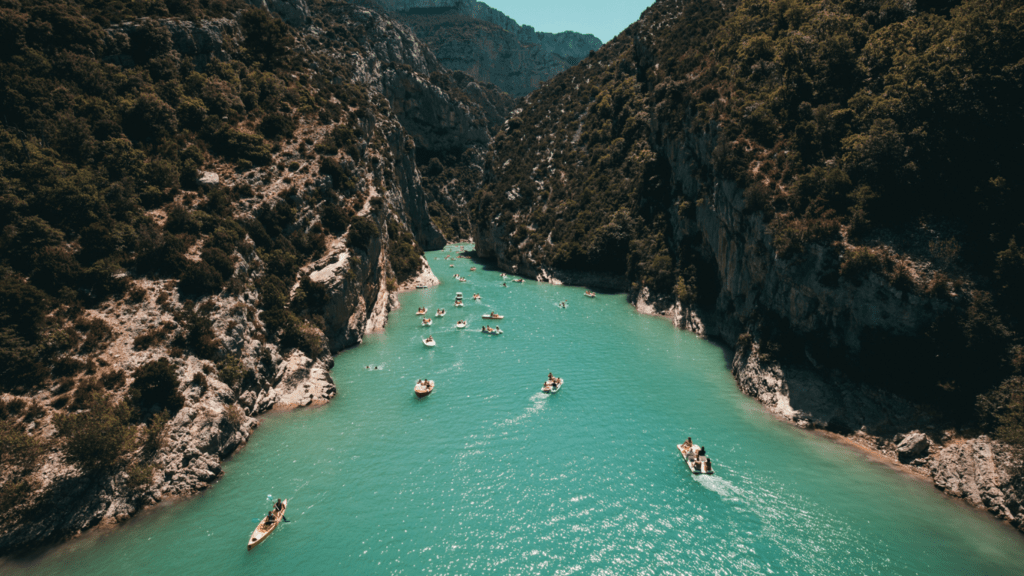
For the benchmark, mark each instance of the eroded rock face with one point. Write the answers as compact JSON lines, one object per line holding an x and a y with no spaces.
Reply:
{"x":294,"y":12}
{"x":488,"y":45}
{"x":976,"y":470}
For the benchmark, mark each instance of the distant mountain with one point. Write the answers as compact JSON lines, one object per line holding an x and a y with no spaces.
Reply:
{"x":475,"y":38}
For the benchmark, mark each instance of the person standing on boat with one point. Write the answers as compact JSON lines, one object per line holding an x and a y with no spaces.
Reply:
{"x":687,"y":445}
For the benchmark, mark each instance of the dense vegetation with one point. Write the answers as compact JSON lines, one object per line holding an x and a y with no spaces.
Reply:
{"x":847,"y":123}
{"x":109,"y":115}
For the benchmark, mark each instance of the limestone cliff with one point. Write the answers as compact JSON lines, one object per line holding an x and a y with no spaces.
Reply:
{"x":472,"y":37}
{"x":356,"y":201}
{"x":617,"y":172}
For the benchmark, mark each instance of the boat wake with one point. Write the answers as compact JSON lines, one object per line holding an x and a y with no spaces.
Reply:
{"x":537,"y":403}
{"x":719,"y":485}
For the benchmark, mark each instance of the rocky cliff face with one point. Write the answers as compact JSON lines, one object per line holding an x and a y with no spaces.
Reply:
{"x":624,"y":181}
{"x":229,"y":363}
{"x":472,"y":37}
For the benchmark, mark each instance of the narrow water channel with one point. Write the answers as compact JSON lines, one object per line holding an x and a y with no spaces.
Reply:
{"x":487,"y":475}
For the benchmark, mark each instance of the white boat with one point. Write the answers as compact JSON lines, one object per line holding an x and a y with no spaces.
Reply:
{"x":267,"y":525}
{"x":461,"y":324}
{"x":440,"y":314}
{"x":458,"y":295}
{"x":421,"y":311}
{"x":429,"y":342}
{"x":459,"y":304}
{"x":423,"y":387}
{"x":552,"y":385}
{"x":697,"y":463}
{"x":589,"y":294}
{"x":427,"y":321}
{"x":476,"y":296}
{"x":493,"y":316}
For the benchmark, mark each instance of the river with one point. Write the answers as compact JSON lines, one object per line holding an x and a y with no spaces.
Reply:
{"x":487,"y":475}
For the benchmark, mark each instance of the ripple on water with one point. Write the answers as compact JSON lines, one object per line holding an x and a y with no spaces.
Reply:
{"x":487,"y":475}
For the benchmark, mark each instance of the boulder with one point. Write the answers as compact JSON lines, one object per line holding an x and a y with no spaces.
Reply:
{"x":912,"y":447}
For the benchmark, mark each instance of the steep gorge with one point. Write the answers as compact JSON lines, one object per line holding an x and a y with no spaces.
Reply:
{"x":665,"y":165}
{"x":290,"y":228}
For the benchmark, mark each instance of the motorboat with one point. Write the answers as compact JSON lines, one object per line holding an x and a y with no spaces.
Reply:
{"x":493,"y":316}
{"x":440,"y":313}
{"x":476,"y":296}
{"x":458,"y":295}
{"x":552,"y":385}
{"x":427,"y":321}
{"x":429,"y":342}
{"x":423,"y":387}
{"x":461,"y":324}
{"x":267,"y":525}
{"x":421,"y":311}
{"x":459,"y":304}
{"x":696,"y":460}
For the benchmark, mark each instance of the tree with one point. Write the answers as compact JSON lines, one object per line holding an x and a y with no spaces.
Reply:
{"x":156,"y":383}
{"x":100,"y":435}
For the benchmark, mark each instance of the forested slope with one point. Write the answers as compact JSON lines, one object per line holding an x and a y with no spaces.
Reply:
{"x":830,"y":186}
{"x":200,"y":202}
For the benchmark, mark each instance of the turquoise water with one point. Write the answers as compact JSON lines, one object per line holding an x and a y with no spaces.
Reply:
{"x":489,"y":476}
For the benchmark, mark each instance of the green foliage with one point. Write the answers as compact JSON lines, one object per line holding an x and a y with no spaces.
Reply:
{"x":139,"y":475}
{"x":267,"y":38}
{"x":154,"y":437}
{"x":156,"y":383}
{"x":403,"y":251}
{"x":362,"y":232}
{"x":230,"y":370}
{"x":99,"y":436}
{"x":1002,"y":410}
{"x":17,"y":448}
{"x":235,"y":416}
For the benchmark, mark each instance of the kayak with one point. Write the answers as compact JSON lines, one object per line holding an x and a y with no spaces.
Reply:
{"x":269,"y":523}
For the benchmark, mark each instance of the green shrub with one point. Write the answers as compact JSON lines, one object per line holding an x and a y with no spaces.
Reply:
{"x":362,"y":232}
{"x":17,"y":448}
{"x":100,"y":435}
{"x":156,"y":383}
{"x":139,"y":475}
{"x":200,"y":278}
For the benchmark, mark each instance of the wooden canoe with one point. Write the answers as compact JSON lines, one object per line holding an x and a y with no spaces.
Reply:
{"x":266,"y":526}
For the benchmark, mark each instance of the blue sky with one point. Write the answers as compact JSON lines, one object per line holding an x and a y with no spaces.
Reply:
{"x":602,"y":18}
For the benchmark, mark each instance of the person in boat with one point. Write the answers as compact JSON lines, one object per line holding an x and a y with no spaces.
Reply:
{"x":687,"y":445}
{"x":707,"y":465}
{"x":551,"y":377}
{"x":701,"y":452}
